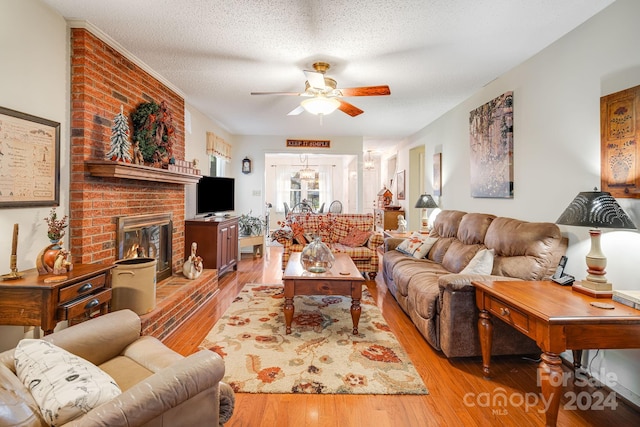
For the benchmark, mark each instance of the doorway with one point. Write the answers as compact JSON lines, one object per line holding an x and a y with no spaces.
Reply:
{"x":417,"y":177}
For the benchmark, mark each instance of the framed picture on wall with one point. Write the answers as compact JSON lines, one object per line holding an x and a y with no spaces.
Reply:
{"x":491,"y":144}
{"x":437,"y":174}
{"x":400,"y":183}
{"x":620,"y":129}
{"x":29,"y":160}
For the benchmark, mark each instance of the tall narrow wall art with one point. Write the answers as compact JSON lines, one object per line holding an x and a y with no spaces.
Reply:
{"x":491,"y":138}
{"x":619,"y":133}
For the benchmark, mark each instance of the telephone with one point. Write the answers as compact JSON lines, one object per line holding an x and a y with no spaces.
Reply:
{"x":559,"y":276}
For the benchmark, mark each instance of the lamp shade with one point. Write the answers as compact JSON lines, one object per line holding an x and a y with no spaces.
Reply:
{"x":595,"y":209}
{"x":320,"y":105}
{"x":425,"y":201}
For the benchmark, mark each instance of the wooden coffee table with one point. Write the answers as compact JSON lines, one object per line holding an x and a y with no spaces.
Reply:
{"x":342,"y":279}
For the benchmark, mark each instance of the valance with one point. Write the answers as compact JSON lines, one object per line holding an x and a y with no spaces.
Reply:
{"x":217,"y":146}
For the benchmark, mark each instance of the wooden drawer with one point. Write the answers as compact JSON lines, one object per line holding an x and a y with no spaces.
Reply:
{"x":72,"y":292}
{"x":79,"y":307}
{"x":509,"y":314}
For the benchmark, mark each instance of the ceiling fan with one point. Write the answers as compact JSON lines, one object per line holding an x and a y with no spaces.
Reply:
{"x":324,"y":95}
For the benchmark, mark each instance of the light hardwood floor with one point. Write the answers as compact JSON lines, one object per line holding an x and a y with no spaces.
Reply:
{"x":459,"y":395}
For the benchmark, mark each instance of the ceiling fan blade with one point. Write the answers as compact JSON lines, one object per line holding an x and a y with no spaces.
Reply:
{"x":350,"y":109}
{"x":276,"y":93}
{"x":315,"y":79}
{"x":366,"y":91}
{"x":296,"y":111}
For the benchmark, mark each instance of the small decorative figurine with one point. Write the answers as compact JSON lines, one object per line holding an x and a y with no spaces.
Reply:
{"x":192,"y":268}
{"x":137,"y":154}
{"x":402,"y":224}
{"x":61,"y":265}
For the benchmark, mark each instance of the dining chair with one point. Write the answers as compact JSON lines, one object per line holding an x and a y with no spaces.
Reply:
{"x":335,"y":206}
{"x":286,"y":209}
{"x":302,"y":207}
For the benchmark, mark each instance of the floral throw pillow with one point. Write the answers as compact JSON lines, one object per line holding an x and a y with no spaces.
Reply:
{"x":417,"y":245}
{"x":355,"y":238}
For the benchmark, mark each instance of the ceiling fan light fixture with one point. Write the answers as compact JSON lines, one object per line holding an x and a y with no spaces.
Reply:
{"x":320,"y":105}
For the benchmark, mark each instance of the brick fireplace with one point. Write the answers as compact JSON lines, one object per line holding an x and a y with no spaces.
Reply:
{"x":102,"y":79}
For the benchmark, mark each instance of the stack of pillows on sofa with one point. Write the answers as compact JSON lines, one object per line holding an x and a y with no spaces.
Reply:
{"x":418,"y":245}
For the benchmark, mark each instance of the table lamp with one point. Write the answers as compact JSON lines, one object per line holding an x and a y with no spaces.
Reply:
{"x":425,"y":201}
{"x":595,"y":209}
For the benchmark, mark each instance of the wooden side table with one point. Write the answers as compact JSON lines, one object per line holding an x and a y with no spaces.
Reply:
{"x":29,"y":301}
{"x":557,"y":319}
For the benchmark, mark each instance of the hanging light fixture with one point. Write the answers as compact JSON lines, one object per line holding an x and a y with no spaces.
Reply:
{"x":320,"y":105}
{"x":306,"y":173}
{"x":369,"y":164}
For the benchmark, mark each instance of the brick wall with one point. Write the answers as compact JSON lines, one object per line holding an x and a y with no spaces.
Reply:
{"x":101,"y":81}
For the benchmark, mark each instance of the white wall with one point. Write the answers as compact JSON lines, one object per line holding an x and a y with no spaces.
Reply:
{"x":34,"y":79}
{"x":196,"y":127}
{"x":556,"y":147}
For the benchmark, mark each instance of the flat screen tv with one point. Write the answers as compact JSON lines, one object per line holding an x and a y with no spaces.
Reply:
{"x":214,"y":195}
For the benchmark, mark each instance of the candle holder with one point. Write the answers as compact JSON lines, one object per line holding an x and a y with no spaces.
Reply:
{"x":13,"y":263}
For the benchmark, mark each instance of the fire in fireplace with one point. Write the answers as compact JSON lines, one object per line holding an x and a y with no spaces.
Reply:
{"x":148,"y":236}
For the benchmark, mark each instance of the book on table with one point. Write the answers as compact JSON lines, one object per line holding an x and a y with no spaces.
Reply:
{"x":629,"y":298}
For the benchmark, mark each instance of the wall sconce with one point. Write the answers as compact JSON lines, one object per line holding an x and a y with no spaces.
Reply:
{"x":246,"y":165}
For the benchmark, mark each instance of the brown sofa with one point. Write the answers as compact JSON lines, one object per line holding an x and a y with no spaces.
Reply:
{"x":332,"y":228}
{"x":159,"y":386}
{"x":441,"y":303}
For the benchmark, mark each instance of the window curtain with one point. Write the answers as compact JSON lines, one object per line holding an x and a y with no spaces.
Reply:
{"x":283,"y":183}
{"x":325,"y":176}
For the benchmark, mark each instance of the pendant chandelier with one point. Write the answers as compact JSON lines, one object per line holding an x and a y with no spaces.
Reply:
{"x":369,"y":164}
{"x":306,"y":173}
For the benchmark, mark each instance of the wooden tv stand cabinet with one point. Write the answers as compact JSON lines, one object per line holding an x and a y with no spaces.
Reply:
{"x":217,"y":239}
{"x":557,"y":319}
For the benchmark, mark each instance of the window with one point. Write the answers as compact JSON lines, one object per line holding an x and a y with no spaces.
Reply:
{"x":293,"y":190}
{"x":302,"y":190}
{"x":217,"y":166}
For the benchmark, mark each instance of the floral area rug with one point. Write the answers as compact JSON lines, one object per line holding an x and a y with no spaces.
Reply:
{"x":321,"y":355}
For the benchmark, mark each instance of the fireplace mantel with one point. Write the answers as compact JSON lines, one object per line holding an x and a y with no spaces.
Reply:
{"x":110,"y":169}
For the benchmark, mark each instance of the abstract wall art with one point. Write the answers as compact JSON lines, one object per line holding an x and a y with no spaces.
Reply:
{"x":491,"y":137}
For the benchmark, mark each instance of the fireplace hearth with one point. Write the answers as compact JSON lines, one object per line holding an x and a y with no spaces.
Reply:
{"x":148,"y":236}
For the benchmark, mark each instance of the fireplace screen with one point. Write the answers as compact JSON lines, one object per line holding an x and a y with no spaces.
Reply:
{"x":147,"y":236}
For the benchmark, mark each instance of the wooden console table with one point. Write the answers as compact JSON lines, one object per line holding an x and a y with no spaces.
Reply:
{"x":557,"y":319}
{"x":29,"y":301}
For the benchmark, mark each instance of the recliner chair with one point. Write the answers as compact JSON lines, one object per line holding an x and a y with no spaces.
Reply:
{"x":159,"y":386}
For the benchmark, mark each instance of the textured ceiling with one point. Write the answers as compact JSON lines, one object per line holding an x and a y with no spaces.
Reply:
{"x":432,"y":53}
